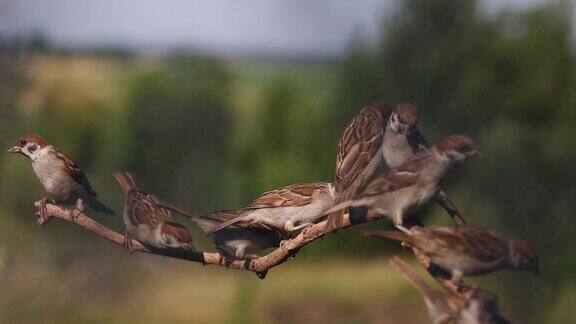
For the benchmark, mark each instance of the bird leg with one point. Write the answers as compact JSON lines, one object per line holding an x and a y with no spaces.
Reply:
{"x":456,"y":279}
{"x":43,"y":211}
{"x":128,"y":246}
{"x":241,"y":254}
{"x":78,"y":209}
{"x":402,"y":228}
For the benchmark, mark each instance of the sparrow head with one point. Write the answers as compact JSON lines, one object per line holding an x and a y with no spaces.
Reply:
{"x":29,"y":145}
{"x":457,"y":148}
{"x":523,"y":256}
{"x":404,"y":118}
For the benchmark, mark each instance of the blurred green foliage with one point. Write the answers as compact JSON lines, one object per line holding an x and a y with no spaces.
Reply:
{"x":211,"y":134}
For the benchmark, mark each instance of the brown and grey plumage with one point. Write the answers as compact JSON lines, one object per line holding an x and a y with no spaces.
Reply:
{"x":147,"y":221}
{"x":408,"y":187}
{"x":61,"y":177}
{"x":402,"y":140}
{"x":284,"y":210}
{"x":359,"y":156}
{"x":378,"y":136}
{"x":466,"y":251}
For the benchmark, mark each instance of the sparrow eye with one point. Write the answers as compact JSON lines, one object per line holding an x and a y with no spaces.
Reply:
{"x":22,"y":142}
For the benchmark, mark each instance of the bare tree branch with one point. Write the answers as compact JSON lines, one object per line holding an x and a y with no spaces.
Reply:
{"x":260,"y":265}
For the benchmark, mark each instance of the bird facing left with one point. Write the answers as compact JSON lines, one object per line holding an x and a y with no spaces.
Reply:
{"x":61,"y":177}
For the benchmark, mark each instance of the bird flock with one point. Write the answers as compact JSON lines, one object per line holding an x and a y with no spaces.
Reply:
{"x":384,"y":169}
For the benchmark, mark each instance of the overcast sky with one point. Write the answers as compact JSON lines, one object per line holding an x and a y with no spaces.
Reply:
{"x":290,"y":27}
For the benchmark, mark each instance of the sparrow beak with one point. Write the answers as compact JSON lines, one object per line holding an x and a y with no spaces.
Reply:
{"x":474,"y":155}
{"x":14,"y":149}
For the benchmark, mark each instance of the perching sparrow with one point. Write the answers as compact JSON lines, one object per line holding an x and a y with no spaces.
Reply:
{"x":407,"y":188}
{"x":147,"y":221}
{"x":466,"y":251}
{"x":242,"y":243}
{"x":359,"y":156}
{"x":61,"y":177}
{"x":442,"y":307}
{"x":481,"y":308}
{"x":376,"y":136}
{"x":476,"y":307}
{"x":284,"y":210}
{"x":402,"y":140}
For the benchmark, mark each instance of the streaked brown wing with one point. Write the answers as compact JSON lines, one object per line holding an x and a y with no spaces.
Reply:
{"x":291,"y":196}
{"x":485,"y":245}
{"x":390,"y":181}
{"x":224,"y":215}
{"x":142,"y":209}
{"x":358,"y":157}
{"x":75,"y":172}
{"x":474,"y":242}
{"x":360,"y":143}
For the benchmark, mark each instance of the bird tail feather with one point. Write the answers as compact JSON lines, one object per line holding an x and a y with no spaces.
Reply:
{"x":127,"y":180}
{"x":224,"y":225}
{"x":99,"y":207}
{"x":408,"y":273}
{"x":346,"y":204}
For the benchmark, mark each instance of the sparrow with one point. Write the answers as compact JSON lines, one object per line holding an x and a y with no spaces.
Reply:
{"x":375,"y":137}
{"x":408,"y":187}
{"x":61,"y":177}
{"x":402,"y":140}
{"x":284,"y":210}
{"x":359,"y":156}
{"x":147,"y":221}
{"x":242,"y":243}
{"x":479,"y":306}
{"x":442,"y":307}
{"x":466,"y":251}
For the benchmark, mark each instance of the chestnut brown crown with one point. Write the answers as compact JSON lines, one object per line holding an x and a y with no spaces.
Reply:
{"x":31,"y":138}
{"x":408,"y":114}
{"x":24,"y":140}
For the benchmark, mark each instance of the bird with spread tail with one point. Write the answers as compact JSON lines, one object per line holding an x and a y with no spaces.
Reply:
{"x":147,"y":221}
{"x":466,"y":251}
{"x":61,"y":177}
{"x":378,"y":136}
{"x":410,"y":186}
{"x":284,"y":210}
